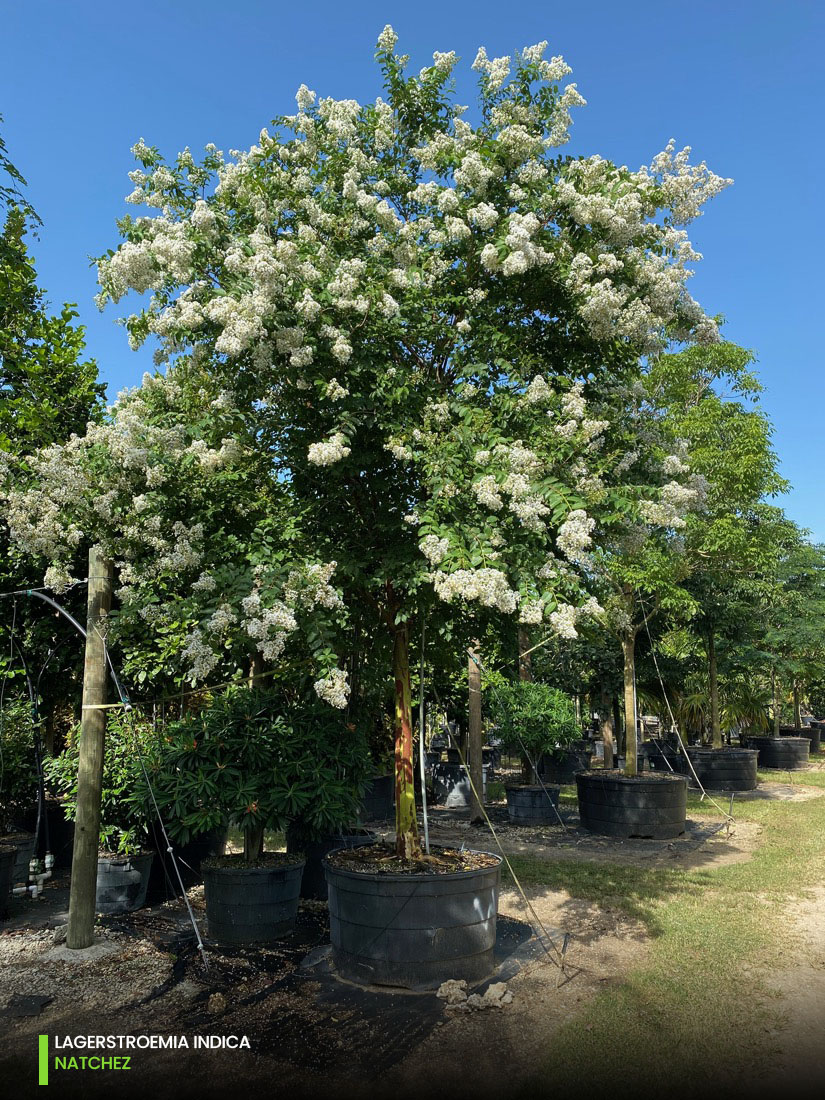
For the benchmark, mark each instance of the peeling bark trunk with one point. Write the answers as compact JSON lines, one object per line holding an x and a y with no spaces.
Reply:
{"x":713,"y":678}
{"x":606,"y":721}
{"x":629,"y":654}
{"x":474,"y":739}
{"x":407,"y":844}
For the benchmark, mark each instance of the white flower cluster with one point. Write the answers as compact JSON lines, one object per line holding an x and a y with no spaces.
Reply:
{"x":335,"y":391}
{"x":538,"y":392}
{"x":574,"y":537}
{"x":675,"y":501}
{"x":434,"y":549}
{"x":334,"y":688}
{"x":328,"y":451}
{"x":531,"y":612}
{"x":487,"y":493}
{"x":488,"y":587}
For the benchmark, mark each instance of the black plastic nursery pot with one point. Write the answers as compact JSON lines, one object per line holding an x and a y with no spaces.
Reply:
{"x":451,"y":785}
{"x":163,"y":879}
{"x":533,"y":805}
{"x":413,"y":930}
{"x":122,"y":882}
{"x":813,"y":733}
{"x":653,"y":806}
{"x":7,"y":855}
{"x":252,"y":904}
{"x":314,"y":881}
{"x":379,"y":799}
{"x":24,"y":843}
{"x":563,"y":765}
{"x":725,"y":769}
{"x":787,"y":753}
{"x":663,"y":757}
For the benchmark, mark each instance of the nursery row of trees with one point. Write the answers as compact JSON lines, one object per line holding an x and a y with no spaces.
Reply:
{"x":423,"y":384}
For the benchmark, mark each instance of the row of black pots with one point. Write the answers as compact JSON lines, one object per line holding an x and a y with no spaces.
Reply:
{"x":392,"y":929}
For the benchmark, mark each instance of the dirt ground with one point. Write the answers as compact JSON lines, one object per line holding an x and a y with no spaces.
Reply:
{"x":312,"y":1033}
{"x":799,"y":981}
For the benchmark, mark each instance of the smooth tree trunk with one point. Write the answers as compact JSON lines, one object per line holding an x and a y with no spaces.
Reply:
{"x":407,"y":844}
{"x":618,"y":731}
{"x":525,"y":657}
{"x":253,"y":843}
{"x":256,"y":670}
{"x":713,"y":679}
{"x":525,"y":675}
{"x":475,"y":760}
{"x":83,"y":889}
{"x":606,"y":722}
{"x":797,"y":715}
{"x":777,"y":709}
{"x":629,"y":655}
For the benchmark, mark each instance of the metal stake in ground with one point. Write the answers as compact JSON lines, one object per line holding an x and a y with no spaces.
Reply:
{"x":80,"y":932}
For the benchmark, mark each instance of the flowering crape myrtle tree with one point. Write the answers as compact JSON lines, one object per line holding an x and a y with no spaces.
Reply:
{"x":416,"y":312}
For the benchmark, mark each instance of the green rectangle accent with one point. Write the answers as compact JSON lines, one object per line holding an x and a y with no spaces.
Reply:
{"x":43,"y":1060}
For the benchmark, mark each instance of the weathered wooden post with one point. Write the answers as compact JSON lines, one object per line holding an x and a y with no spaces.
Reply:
{"x":474,"y":739}
{"x":80,"y":932}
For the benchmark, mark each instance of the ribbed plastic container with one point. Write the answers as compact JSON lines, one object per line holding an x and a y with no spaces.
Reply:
{"x":314,"y":880}
{"x":414,"y":931}
{"x":648,"y":806}
{"x":813,"y":733}
{"x":252,"y":904}
{"x":24,"y":843}
{"x":562,"y":766}
{"x":379,"y":799}
{"x":533,"y":805}
{"x":789,"y":754}
{"x":723,"y":769}
{"x":7,"y":854}
{"x":122,"y":882}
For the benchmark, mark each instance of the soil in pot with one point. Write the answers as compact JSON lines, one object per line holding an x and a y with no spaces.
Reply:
{"x":7,"y":855}
{"x":122,"y":882}
{"x":412,"y":924}
{"x":252,"y":902}
{"x":314,"y":881}
{"x":787,"y":753}
{"x":725,"y":769}
{"x":533,"y":805}
{"x":653,"y":805}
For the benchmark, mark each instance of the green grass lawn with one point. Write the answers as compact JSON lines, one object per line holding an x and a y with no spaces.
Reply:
{"x":698,"y":1002}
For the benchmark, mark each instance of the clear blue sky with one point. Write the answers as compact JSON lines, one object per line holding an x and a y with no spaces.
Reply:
{"x":80,"y":82}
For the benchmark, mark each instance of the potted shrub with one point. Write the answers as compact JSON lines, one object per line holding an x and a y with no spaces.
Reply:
{"x":260,"y":762}
{"x":125,"y":858}
{"x":539,"y":721}
{"x":18,"y":790}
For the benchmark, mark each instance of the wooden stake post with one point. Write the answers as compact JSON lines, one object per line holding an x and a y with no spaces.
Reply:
{"x":80,"y":932}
